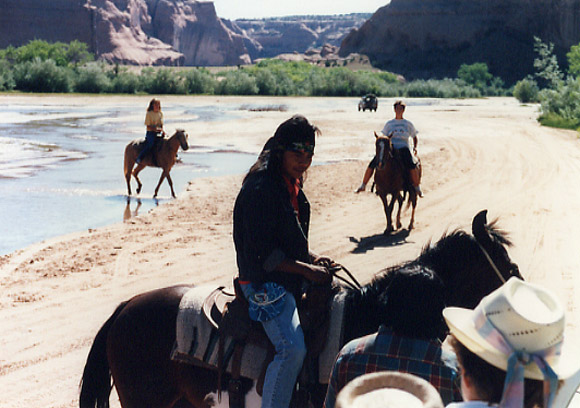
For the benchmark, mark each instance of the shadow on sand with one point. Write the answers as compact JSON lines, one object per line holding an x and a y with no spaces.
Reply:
{"x":365,"y":244}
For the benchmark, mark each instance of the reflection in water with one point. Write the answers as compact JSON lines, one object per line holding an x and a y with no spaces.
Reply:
{"x":127,"y":214}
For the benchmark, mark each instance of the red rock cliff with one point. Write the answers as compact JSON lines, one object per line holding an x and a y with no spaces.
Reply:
{"x":141,"y":32}
{"x":432,"y":38}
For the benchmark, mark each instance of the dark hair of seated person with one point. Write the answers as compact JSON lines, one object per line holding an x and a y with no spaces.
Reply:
{"x":488,"y":380}
{"x":415,"y":302}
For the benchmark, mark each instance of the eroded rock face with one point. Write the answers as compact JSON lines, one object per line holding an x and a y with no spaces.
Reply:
{"x":194,"y":29}
{"x":25,"y":20}
{"x":296,"y":34}
{"x":119,"y":37}
{"x":141,"y":32}
{"x":432,"y":38}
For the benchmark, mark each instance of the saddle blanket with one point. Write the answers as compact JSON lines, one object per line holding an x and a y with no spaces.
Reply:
{"x":197,"y":340}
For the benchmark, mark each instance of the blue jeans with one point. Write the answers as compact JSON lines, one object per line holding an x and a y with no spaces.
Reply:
{"x":285,"y":333}
{"x":149,"y":142}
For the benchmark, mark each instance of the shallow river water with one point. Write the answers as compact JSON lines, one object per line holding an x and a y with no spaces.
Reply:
{"x":61,"y":164}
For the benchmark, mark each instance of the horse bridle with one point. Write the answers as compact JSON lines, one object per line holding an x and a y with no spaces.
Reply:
{"x":355,"y":285}
{"x":496,"y":270}
{"x":382,"y":151}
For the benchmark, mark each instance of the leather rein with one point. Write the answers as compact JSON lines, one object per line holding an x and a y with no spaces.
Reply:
{"x":496,"y":270}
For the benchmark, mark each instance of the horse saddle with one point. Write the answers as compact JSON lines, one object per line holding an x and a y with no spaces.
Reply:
{"x":233,"y":341}
{"x":227,"y":311}
{"x":215,"y":304}
{"x":155,"y":149}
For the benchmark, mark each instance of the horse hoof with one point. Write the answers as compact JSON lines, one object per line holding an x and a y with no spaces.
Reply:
{"x":388,"y":231}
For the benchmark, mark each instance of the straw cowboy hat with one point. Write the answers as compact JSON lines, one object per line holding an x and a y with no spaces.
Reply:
{"x":518,"y":317}
{"x":388,"y":389}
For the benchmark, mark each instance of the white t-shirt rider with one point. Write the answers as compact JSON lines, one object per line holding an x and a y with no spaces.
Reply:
{"x":403,"y":133}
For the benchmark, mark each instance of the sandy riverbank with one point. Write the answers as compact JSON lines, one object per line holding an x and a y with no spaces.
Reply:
{"x":476,"y":153}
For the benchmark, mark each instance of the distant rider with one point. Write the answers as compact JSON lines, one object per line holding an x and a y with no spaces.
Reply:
{"x":154,"y":123}
{"x":404,"y":139}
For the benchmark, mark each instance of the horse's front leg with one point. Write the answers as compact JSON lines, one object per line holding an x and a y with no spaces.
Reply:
{"x":388,"y":210}
{"x":400,"y":200}
{"x":164,"y":174}
{"x":128,"y":180}
{"x":136,"y":175}
{"x":170,"y":184}
{"x":413,"y":199}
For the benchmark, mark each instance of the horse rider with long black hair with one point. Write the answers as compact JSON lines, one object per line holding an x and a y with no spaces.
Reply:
{"x":271,"y":220}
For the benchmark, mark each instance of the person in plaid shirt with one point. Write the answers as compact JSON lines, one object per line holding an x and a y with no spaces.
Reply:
{"x":408,"y":342}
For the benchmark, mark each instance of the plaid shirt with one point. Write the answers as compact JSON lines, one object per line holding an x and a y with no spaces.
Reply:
{"x":386,"y":351}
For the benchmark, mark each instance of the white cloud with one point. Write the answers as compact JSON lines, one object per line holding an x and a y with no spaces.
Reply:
{"x":232,"y":9}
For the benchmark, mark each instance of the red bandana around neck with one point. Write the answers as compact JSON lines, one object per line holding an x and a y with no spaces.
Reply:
{"x":293,"y":189}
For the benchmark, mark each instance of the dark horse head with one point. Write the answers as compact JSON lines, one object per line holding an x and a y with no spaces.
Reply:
{"x":470,"y":267}
{"x":182,"y":136}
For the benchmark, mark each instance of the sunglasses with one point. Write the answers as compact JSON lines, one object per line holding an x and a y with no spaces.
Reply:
{"x":301,"y":147}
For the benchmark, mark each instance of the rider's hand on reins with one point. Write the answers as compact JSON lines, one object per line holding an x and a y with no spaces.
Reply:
{"x":319,"y":274}
{"x":324,"y":261}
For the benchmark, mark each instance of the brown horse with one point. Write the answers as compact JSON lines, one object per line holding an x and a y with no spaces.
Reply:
{"x":163,"y":154}
{"x":135,"y":343}
{"x":391,"y":179}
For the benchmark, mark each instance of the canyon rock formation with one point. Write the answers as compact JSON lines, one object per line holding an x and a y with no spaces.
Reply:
{"x":432,"y":38}
{"x":139,"y":32}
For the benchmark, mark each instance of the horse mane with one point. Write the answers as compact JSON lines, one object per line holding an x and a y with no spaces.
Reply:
{"x":497,"y":235}
{"x":442,"y":257}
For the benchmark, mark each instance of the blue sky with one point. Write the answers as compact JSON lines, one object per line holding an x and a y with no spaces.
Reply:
{"x":232,"y":9}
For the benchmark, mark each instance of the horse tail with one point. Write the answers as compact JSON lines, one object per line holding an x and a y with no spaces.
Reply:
{"x":96,"y":381}
{"x":126,"y":163}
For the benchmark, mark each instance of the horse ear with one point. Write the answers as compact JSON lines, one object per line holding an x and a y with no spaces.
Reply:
{"x":376,"y":136}
{"x":478,"y":226}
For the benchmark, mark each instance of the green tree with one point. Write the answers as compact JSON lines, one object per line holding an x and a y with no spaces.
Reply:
{"x":126,"y":82}
{"x":6,"y":79}
{"x":561,"y":107}
{"x":199,"y":81}
{"x":573,"y":57}
{"x":237,"y":83}
{"x":163,"y":81}
{"x":92,"y":78}
{"x":62,"y":54}
{"x":77,"y":53}
{"x":9,"y":54}
{"x":526,"y":90}
{"x":42,"y":76}
{"x":546,"y":65}
{"x":476,"y":75}
{"x":266,"y":82}
{"x":43,"y":50}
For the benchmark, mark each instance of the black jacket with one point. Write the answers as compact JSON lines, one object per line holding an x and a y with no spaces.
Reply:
{"x":267,"y":230}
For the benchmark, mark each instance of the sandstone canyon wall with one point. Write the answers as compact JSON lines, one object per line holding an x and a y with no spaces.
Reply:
{"x":142,"y":32}
{"x":288,"y":34}
{"x":432,"y":38}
